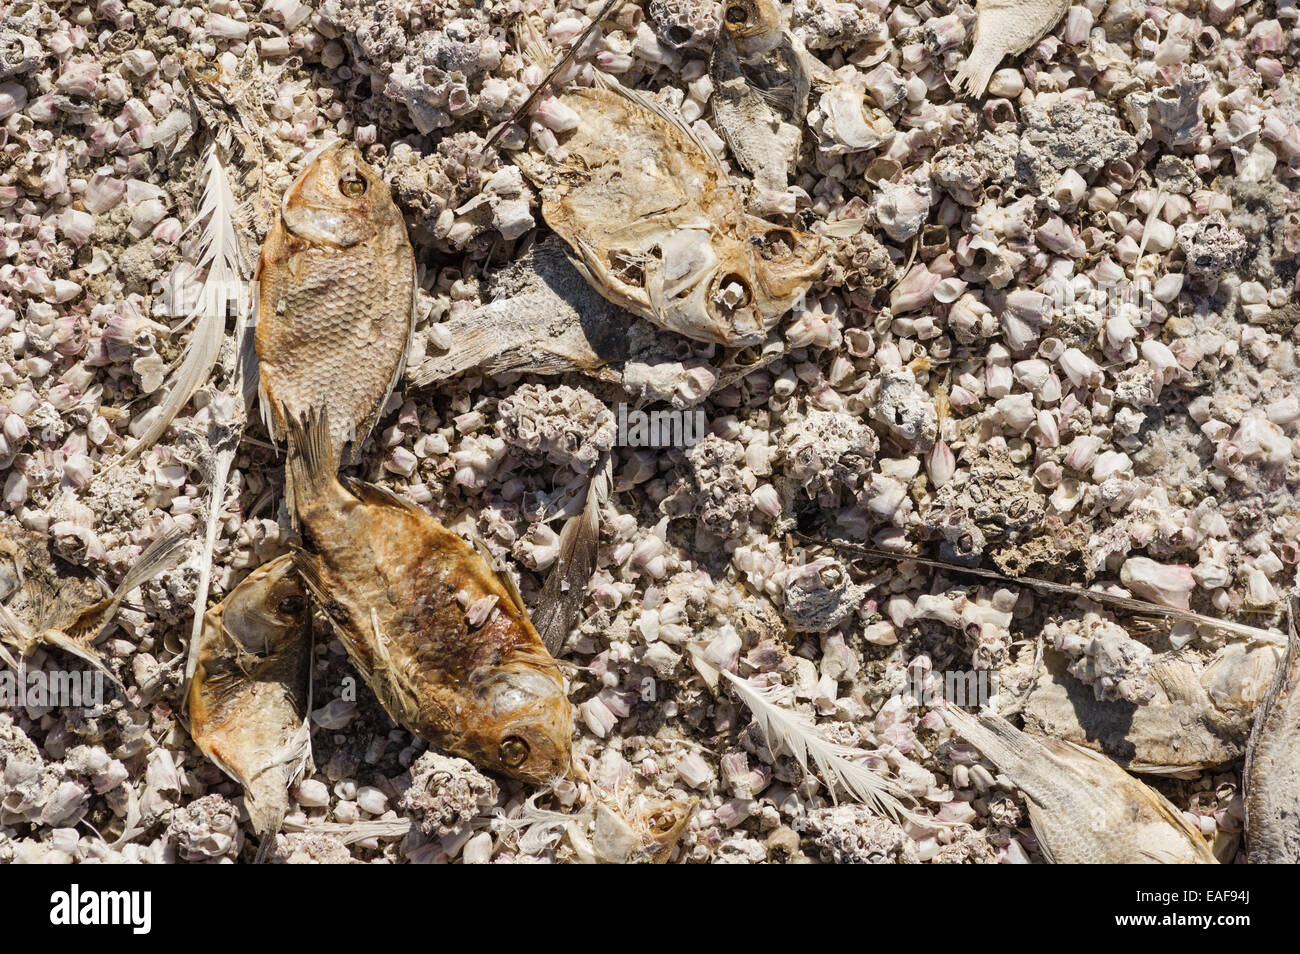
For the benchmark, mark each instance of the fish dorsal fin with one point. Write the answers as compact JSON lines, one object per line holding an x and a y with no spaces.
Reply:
{"x":670,"y":116}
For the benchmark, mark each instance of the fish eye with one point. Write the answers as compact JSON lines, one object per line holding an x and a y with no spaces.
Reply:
{"x":738,"y":14}
{"x":292,"y":605}
{"x":733,"y":293}
{"x":206,"y":70}
{"x":777,"y":243}
{"x":513,"y":751}
{"x":353,"y":184}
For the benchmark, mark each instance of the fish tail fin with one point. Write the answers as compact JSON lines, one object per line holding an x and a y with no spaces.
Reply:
{"x":92,"y":620}
{"x":312,"y":466}
{"x":995,"y":737}
{"x":972,"y":77}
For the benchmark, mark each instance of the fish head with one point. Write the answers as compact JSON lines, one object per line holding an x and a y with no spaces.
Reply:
{"x":524,"y":722}
{"x":786,"y":261}
{"x":749,"y":19}
{"x":339,"y":199}
{"x":209,"y":79}
{"x":268,"y":610}
{"x":709,"y":285}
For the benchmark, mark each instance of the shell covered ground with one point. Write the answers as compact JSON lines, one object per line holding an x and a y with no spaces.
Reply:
{"x":1056,"y":336}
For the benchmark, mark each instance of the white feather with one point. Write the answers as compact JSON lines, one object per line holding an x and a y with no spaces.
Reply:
{"x":218,"y":251}
{"x":796,"y":735}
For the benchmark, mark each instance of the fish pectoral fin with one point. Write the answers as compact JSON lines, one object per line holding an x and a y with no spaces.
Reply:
{"x":499,"y":569}
{"x":83,"y":651}
{"x":373,"y":493}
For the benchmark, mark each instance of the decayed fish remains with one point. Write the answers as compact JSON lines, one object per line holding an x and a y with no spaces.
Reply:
{"x":336,"y":299}
{"x":886,"y":414}
{"x":448,"y":650}
{"x":248,"y":701}
{"x":657,"y":227}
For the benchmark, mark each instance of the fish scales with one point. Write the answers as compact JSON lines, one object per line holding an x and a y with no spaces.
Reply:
{"x":400,"y":589}
{"x":1084,"y":809}
{"x":336,"y":299}
{"x":1272,"y":769}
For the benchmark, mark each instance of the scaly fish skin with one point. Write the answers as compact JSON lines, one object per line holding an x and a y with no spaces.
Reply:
{"x":248,"y":701}
{"x":335,"y":299}
{"x":398,"y":587}
{"x":1084,"y":809}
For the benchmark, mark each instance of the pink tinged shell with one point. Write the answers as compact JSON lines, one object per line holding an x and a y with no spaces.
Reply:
{"x":1082,"y":452}
{"x":915,"y":291}
{"x":767,"y":500}
{"x":556,"y":116}
{"x":1049,"y":434}
{"x":1109,"y":464}
{"x":77,"y":226}
{"x":1016,"y":412}
{"x":226,"y":28}
{"x":940,"y":463}
{"x":1078,"y":24}
{"x":13,"y":97}
{"x":103,"y":192}
{"x":1170,"y":585}
{"x":1080,"y":369}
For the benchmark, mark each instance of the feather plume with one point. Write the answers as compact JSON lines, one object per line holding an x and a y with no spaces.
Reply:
{"x":219,"y":253}
{"x":796,"y":735}
{"x":565,"y":588}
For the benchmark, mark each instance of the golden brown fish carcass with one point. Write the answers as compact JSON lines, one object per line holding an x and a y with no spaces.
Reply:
{"x":448,"y":649}
{"x":336,"y":299}
{"x":249,"y":698}
{"x":656,"y":226}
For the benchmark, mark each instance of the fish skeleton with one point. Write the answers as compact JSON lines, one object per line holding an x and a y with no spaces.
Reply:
{"x":336,"y":300}
{"x":655,"y":225}
{"x":446,"y":647}
{"x":1084,"y":809}
{"x":758,"y":134}
{"x":67,"y":611}
{"x":250,"y":696}
{"x":1272,"y":770}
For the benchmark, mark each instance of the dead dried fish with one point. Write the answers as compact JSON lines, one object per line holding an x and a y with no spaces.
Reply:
{"x":544,"y":317}
{"x":562,"y":597}
{"x":1004,"y":28}
{"x":447,"y":649}
{"x":761,"y":82}
{"x":1272,"y":770}
{"x":1200,"y":715}
{"x":656,"y":226}
{"x":645,"y":832}
{"x":250,"y":696}
{"x":1084,"y":808}
{"x":66,"y":608}
{"x":336,"y":304}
